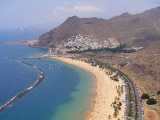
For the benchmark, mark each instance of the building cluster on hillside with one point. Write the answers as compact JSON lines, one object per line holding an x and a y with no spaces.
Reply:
{"x":82,"y":43}
{"x":30,"y":42}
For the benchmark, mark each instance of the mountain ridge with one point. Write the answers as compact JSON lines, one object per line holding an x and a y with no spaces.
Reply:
{"x":131,"y":30}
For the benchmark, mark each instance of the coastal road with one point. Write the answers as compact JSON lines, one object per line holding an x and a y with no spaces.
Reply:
{"x":135,"y":106}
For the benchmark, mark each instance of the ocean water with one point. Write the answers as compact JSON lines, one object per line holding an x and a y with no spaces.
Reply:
{"x":63,"y":95}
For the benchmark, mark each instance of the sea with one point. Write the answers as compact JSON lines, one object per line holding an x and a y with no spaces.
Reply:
{"x":63,"y":95}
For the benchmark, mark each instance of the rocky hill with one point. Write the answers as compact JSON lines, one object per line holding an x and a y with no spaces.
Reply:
{"x":92,"y":33}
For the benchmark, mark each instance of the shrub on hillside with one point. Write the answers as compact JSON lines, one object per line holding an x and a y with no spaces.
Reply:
{"x":151,"y":101}
{"x":145,"y":96}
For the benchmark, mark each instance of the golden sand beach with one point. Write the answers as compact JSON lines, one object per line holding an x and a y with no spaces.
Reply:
{"x":105,"y":92}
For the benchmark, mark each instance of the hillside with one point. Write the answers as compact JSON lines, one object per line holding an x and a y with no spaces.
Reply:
{"x":131,"y":30}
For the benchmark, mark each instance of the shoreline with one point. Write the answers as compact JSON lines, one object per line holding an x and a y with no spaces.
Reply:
{"x":93,"y":86}
{"x":104,"y":92}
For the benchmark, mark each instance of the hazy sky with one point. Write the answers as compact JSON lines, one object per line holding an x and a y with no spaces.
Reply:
{"x":41,"y":13}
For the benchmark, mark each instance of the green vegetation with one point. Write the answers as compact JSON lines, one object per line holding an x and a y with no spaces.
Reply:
{"x":145,"y":96}
{"x":114,"y":50}
{"x":151,"y":101}
{"x":116,"y":106}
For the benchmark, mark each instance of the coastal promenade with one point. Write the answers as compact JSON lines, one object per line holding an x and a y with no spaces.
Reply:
{"x":134,"y":105}
{"x":14,"y":99}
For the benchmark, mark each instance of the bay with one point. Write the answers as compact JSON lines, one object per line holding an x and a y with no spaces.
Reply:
{"x":63,"y":95}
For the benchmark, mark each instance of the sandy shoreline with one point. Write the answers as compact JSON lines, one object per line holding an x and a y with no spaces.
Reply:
{"x":105,"y":92}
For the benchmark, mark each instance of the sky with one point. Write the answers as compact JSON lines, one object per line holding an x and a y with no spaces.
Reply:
{"x":42,"y":14}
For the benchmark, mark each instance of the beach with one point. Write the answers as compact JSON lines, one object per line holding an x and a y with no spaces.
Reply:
{"x":106,"y":92}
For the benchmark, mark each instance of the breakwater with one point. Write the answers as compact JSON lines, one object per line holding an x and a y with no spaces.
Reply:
{"x":14,"y":99}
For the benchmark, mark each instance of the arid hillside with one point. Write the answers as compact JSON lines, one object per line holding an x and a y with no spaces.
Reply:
{"x":131,"y":30}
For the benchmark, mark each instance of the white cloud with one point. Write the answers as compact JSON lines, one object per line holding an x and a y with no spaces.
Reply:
{"x":86,"y":8}
{"x":82,"y":10}
{"x":78,"y":8}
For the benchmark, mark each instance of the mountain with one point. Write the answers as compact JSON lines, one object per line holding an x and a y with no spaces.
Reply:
{"x":130,"y":30}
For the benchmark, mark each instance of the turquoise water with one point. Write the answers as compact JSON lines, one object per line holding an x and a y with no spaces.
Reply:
{"x":63,"y":95}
